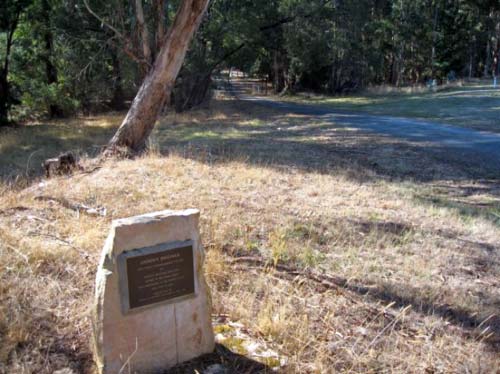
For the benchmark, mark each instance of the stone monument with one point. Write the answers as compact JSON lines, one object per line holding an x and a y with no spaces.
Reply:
{"x":152,"y":305}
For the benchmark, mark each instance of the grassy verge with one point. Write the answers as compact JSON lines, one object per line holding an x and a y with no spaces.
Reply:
{"x":340,"y":250}
{"x":24,"y":148}
{"x":471,"y":106}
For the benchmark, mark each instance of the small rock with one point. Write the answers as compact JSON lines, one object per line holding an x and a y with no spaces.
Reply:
{"x":215,"y":369}
{"x":64,"y":371}
{"x":361,"y":330}
{"x":334,"y":346}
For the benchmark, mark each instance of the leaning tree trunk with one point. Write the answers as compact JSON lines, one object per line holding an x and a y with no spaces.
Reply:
{"x":158,"y":84}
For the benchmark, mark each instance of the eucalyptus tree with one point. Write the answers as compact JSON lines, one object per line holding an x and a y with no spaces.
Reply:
{"x":159,"y":82}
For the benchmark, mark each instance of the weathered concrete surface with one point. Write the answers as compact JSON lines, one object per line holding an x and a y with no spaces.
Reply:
{"x":161,"y":336}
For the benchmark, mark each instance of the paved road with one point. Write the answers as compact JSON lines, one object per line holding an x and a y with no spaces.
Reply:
{"x":484,"y":144}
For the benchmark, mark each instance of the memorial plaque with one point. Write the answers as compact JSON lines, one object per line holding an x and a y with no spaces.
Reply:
{"x":158,"y":274}
{"x":152,"y":305}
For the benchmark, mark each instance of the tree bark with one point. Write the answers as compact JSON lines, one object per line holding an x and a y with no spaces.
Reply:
{"x":4,"y":98}
{"x":50,"y":68}
{"x":487,"y":63}
{"x":161,"y":7}
{"x":279,"y":81}
{"x":118,"y":99}
{"x":434,"y":40}
{"x":158,"y":84}
{"x":143,"y":31}
{"x":496,"y":63}
{"x":5,"y":94}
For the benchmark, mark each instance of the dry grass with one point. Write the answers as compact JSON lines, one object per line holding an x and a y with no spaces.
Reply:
{"x":412,"y":247}
{"x":22,"y":149}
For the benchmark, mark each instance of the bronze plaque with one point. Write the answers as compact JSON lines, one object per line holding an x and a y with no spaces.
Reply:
{"x":157,"y":274}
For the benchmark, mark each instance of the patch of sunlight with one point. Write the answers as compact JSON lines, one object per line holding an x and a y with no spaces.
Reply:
{"x":69,"y":136}
{"x":208,"y":134}
{"x":220,"y":116}
{"x":251,"y":122}
{"x":356,"y":100}
{"x":101,"y":121}
{"x":233,"y":134}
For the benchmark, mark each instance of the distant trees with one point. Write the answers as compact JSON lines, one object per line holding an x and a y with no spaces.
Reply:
{"x":341,"y":46}
{"x":345,"y":45}
{"x":62,"y":56}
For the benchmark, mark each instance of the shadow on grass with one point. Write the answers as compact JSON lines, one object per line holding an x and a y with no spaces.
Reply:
{"x":233,"y":363}
{"x":468,"y":320}
{"x":314,"y":143}
{"x":476,"y":314}
{"x":487,"y":211}
{"x":257,"y":135}
{"x":24,"y":148}
{"x":264,"y":136}
{"x":468,"y":201}
{"x":247,"y":132}
{"x":482,"y":260}
{"x":476,"y":326}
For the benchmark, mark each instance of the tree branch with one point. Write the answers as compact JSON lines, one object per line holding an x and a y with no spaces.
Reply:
{"x":10,"y":36}
{"x":265,"y":28}
{"x":127,"y":43}
{"x":143,"y":30}
{"x":292,"y":18}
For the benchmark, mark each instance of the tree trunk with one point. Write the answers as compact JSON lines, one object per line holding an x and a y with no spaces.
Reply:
{"x":5,"y":94}
{"x":158,"y":84}
{"x":118,"y":99}
{"x":192,"y":91}
{"x":4,"y":97}
{"x":160,"y":7}
{"x":50,"y":68}
{"x":470,"y":65}
{"x":496,"y":64}
{"x":143,"y":31}
{"x":487,"y":59}
{"x":434,"y":40}
{"x":279,"y":82}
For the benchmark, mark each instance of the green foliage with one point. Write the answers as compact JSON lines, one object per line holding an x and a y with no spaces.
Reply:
{"x":65,"y":59}
{"x":339,"y":47}
{"x":41,"y":96}
{"x":10,"y":11}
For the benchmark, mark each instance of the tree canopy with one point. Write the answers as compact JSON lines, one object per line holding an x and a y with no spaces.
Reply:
{"x":60,"y":56}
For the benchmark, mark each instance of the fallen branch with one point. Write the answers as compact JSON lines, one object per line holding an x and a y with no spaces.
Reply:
{"x":127,"y":42}
{"x":327,"y":280}
{"x":90,"y":171}
{"x":460,"y":318}
{"x":13,"y":209}
{"x":77,"y":207}
{"x":340,"y":284}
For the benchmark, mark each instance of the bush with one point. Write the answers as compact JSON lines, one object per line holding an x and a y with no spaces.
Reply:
{"x":38,"y":100}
